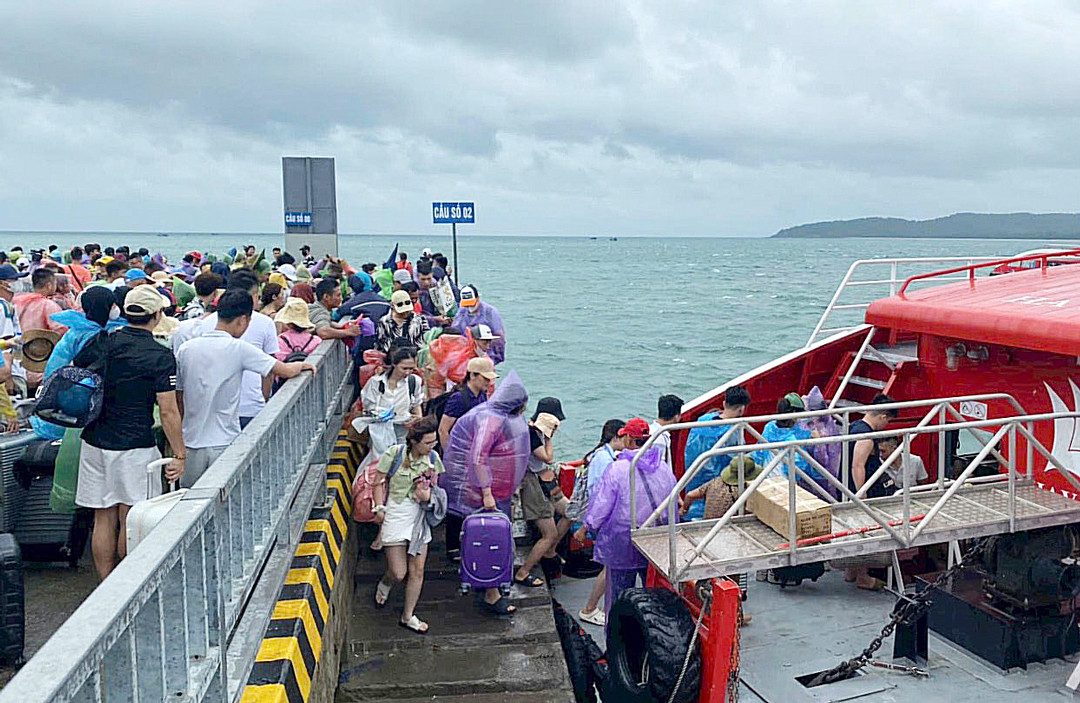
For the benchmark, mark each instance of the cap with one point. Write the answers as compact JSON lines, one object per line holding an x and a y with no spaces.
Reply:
{"x":9,"y":273}
{"x":469,"y":298}
{"x":795,"y":401}
{"x":400,"y":301}
{"x":482,"y":332}
{"x":288,"y":271}
{"x":166,"y":326}
{"x":277,"y":278}
{"x":105,"y":260}
{"x":145,"y":300}
{"x":135,"y":275}
{"x":547,"y":424}
{"x":426,"y":252}
{"x":637,"y":428}
{"x":483,"y":366}
{"x":549,"y":405}
{"x":402,"y":276}
{"x":295,"y":312}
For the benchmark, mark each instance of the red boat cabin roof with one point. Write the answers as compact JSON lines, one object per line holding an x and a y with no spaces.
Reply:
{"x":1035,"y":309}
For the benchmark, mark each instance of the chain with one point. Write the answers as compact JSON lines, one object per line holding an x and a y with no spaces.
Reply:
{"x":913,"y":670}
{"x":908,"y":610}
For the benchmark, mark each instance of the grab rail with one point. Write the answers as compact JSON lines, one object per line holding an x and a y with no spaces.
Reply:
{"x":971,"y":268}
{"x":160,"y":626}
{"x":850,"y":281}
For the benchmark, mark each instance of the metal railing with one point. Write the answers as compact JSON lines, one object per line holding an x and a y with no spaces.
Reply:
{"x":871,"y":279}
{"x":790,"y":452}
{"x":160,"y":626}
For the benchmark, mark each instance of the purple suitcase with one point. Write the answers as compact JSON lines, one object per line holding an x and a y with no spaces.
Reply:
{"x":487,"y":552}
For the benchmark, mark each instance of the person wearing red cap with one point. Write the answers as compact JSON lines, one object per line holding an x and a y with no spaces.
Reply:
{"x":608,"y":514}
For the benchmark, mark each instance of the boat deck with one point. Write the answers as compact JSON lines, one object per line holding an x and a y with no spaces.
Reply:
{"x":747,"y":544}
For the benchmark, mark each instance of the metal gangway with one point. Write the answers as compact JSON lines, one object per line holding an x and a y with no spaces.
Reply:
{"x":181,"y":618}
{"x":948,"y":510}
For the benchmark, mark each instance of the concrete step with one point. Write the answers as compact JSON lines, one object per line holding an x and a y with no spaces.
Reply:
{"x":433,"y":671}
{"x":501,"y":697}
{"x":442,"y":588}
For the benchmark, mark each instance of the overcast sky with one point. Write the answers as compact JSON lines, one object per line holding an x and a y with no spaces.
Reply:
{"x":587,"y":117}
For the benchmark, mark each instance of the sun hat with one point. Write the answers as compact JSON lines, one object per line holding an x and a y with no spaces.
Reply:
{"x":402,"y":276}
{"x":549,"y":405}
{"x":469,"y":297}
{"x":400,"y":301}
{"x":166,"y":327}
{"x":161,"y":277}
{"x":145,"y":300}
{"x":278,"y":278}
{"x":482,"y":332}
{"x":483,"y":366}
{"x":636,"y":428}
{"x":288,"y":271}
{"x":136,"y":275}
{"x":295,"y":312}
{"x":37,"y":347}
{"x":547,"y":424}
{"x":730,"y":473}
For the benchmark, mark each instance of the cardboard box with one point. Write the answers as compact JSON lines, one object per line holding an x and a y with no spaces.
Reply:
{"x":769,"y":503}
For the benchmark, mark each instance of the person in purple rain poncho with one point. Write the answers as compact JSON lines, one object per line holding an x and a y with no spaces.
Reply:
{"x":608,"y":515}
{"x":828,"y":455}
{"x":485,"y":459}
{"x":472,"y":312}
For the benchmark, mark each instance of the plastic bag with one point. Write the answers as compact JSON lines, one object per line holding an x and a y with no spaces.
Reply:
{"x":450,"y":355}
{"x":66,"y":473}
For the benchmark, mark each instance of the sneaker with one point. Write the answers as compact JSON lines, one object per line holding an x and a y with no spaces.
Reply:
{"x":596,"y":617}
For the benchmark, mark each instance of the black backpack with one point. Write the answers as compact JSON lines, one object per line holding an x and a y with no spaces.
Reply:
{"x":297,"y":353}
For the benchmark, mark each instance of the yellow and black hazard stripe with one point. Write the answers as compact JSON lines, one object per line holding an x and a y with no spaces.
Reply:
{"x":285,"y":663}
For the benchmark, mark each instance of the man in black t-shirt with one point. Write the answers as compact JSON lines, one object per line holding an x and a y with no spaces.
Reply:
{"x":119,"y":443}
{"x":863,"y":461}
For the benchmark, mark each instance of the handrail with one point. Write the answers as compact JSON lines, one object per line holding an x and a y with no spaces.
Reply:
{"x":892,"y":281}
{"x":844,"y":413}
{"x":160,"y":626}
{"x":971,"y":268}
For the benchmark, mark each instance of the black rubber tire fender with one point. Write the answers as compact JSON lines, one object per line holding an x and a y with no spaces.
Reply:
{"x":657,"y":624}
{"x":576,"y":651}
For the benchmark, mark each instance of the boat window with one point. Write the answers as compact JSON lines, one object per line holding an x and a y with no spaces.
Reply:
{"x":970,"y":443}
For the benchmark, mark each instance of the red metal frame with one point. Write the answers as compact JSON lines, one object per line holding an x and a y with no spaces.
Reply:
{"x":971,"y":268}
{"x":718,"y":637}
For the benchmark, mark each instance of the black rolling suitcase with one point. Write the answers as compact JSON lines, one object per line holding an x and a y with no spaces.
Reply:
{"x":12,"y":495}
{"x":46,"y":536}
{"x":12,"y":602}
{"x":37,"y":459}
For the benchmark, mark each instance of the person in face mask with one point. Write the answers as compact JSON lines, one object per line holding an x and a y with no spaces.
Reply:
{"x":99,"y":313}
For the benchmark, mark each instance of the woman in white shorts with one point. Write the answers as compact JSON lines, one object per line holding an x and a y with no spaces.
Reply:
{"x":415,"y":468}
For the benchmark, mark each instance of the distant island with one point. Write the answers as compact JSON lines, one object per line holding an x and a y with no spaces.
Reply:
{"x":962,"y":225}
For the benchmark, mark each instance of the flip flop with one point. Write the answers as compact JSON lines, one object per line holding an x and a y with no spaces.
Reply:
{"x":415,"y":624}
{"x":529,"y":581}
{"x":382,"y":594}
{"x":499,"y":607}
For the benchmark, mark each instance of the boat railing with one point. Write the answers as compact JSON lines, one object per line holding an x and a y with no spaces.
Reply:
{"x":970,"y":270}
{"x":164,"y":625}
{"x":867,"y":280}
{"x":943,"y":415}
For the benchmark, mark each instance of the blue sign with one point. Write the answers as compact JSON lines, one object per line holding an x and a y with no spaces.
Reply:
{"x":453,"y":213}
{"x":298,"y":219}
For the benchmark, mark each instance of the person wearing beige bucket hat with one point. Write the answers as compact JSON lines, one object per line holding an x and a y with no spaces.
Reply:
{"x":297,"y":331}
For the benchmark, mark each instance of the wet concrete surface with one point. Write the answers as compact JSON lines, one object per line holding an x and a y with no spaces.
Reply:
{"x":467,"y":654}
{"x":53,"y":592}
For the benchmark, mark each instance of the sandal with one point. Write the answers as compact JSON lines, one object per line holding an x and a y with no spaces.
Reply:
{"x":529,"y":581}
{"x":593,"y":617}
{"x":382,"y":593}
{"x":499,"y":607}
{"x":415,"y":624}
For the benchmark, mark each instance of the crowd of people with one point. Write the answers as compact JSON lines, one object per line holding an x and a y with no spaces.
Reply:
{"x":189,"y":354}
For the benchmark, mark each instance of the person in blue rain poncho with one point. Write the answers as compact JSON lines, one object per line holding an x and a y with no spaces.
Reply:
{"x":783,"y":430}
{"x":100,"y":312}
{"x":485,"y":459}
{"x":608,"y":514}
{"x":702,"y":439}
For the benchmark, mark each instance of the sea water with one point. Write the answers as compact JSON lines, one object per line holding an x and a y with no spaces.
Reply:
{"x":608,"y":326}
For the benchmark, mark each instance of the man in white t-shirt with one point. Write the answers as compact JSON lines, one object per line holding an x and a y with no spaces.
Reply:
{"x":210,"y":371}
{"x":261,"y":334}
{"x":668,"y":411}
